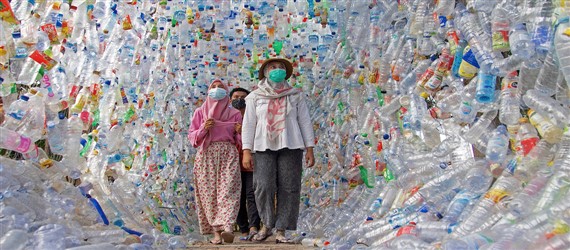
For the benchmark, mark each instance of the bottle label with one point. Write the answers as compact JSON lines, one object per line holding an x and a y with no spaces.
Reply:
{"x":468,"y":67}
{"x":541,"y":124}
{"x":501,"y":40}
{"x":505,"y":84}
{"x":466,"y":108}
{"x":51,"y":31}
{"x":25,"y":143}
{"x":496,"y":195}
{"x":59,"y":20}
{"x":442,"y":21}
{"x":512,"y":165}
{"x":453,"y":39}
{"x":406,"y":230}
{"x":528,"y":144}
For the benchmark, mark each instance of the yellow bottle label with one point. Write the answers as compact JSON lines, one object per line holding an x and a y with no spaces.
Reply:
{"x":496,"y":194}
{"x":567,"y":31}
{"x":560,"y":227}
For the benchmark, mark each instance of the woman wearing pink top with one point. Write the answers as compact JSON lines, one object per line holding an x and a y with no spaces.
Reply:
{"x":215,"y":131}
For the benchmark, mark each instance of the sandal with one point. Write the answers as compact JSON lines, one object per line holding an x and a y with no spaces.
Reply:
{"x":284,"y":241}
{"x":228,"y":237}
{"x":249,"y":236}
{"x":216,"y":242}
{"x":261,"y":236}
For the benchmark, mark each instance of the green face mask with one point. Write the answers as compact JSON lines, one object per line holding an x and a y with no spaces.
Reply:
{"x":277,"y":75}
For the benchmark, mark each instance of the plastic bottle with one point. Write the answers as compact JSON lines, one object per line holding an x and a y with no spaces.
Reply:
{"x":479,"y":41}
{"x":498,"y":145}
{"x":520,"y":42}
{"x":485,"y":92}
{"x":500,"y":27}
{"x":12,"y":140}
{"x":527,"y":137}
{"x":509,"y":111}
{"x":16,"y":113}
{"x":549,"y":132}
{"x":34,"y":120}
{"x":537,"y":158}
{"x":544,"y":82}
{"x":502,"y":67}
{"x":433,"y":230}
{"x":561,"y":43}
{"x":469,"y":64}
{"x":522,"y":203}
{"x":503,"y":187}
{"x":418,"y":109}
{"x":15,"y":239}
{"x":56,"y":130}
{"x":527,"y":76}
{"x":547,"y":106}
{"x":541,"y":27}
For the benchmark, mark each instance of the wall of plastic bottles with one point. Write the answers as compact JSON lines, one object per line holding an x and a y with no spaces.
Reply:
{"x":441,"y":124}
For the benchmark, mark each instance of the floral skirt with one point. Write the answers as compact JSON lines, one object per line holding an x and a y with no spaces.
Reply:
{"x":217,"y":186}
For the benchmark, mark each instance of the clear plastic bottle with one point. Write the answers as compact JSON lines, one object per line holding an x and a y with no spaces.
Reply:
{"x":509,"y":111}
{"x":526,"y":138}
{"x":456,"y":207}
{"x":562,"y":91}
{"x":498,"y":145}
{"x":537,"y":159}
{"x":544,"y":81}
{"x":478,"y":127}
{"x":547,"y":106}
{"x":56,"y":138}
{"x":502,"y":188}
{"x":500,"y":27}
{"x":527,"y":76}
{"x":433,"y":230}
{"x":402,"y":64}
{"x":34,"y":120}
{"x":16,"y":113}
{"x":541,"y":27}
{"x":562,"y":45}
{"x":549,"y":132}
{"x":472,"y":241}
{"x":479,"y":41}
{"x":520,"y":42}
{"x":12,"y":140}
{"x":15,"y":239}
{"x":522,"y":203}
{"x":502,"y":67}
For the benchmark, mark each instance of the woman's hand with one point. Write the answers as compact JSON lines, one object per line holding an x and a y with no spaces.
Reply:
{"x":208,"y":124}
{"x":237,"y":127}
{"x":247,"y":160}
{"x":310,"y":158}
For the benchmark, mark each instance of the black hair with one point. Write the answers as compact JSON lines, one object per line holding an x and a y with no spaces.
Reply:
{"x":238,"y":89}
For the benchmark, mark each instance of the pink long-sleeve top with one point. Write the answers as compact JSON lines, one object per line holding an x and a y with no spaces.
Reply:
{"x":222,"y":130}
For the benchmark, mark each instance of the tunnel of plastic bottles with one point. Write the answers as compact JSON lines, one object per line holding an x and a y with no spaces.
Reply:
{"x":439,"y":124}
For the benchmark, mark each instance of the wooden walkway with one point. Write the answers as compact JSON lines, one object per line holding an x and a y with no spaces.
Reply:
{"x":269,"y":244}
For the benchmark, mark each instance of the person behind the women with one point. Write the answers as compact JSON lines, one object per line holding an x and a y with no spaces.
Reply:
{"x":215,"y":131}
{"x":276,"y":129}
{"x":248,"y":219}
